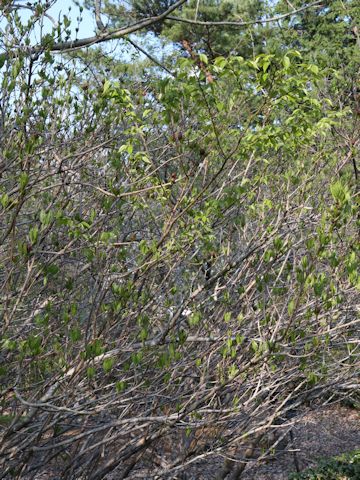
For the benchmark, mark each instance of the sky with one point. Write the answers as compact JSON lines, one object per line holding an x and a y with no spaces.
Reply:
{"x":58,"y":10}
{"x":87,"y":26}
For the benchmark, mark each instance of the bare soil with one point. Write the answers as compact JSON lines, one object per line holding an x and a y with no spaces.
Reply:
{"x":320,"y":433}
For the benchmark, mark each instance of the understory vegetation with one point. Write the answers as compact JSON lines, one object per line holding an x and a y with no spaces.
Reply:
{"x":344,"y":466}
{"x":179,"y":232}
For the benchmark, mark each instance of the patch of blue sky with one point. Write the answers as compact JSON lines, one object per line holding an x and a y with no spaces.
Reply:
{"x":83,"y":25}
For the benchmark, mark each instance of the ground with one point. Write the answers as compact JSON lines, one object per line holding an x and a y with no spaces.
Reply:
{"x":320,"y":433}
{"x":324,"y":432}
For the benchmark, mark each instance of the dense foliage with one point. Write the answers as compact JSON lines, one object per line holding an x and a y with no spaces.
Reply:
{"x":179,"y":251}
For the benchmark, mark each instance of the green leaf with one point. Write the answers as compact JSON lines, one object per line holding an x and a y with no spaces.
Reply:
{"x":34,"y":344}
{"x":23,"y":180}
{"x":106,"y":87}
{"x":66,"y":21}
{"x":194,"y":319}
{"x":232,"y":371}
{"x":2,"y":59}
{"x":220,"y":63}
{"x":94,"y":349}
{"x":312,"y":378}
{"x":108,"y":364}
{"x":314,"y":69}
{"x":203,"y":58}
{"x":34,"y":235}
{"x":75,"y":334}
{"x":339,"y":191}
{"x":266,"y":65}
{"x":90,"y":372}
{"x":120,"y":386}
{"x":291,"y":307}
{"x":254,"y":64}
{"x":4,"y":200}
{"x":286,"y":62}
{"x":45,"y":218}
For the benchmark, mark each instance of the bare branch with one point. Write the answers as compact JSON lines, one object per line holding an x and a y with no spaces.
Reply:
{"x":316,"y":4}
{"x":98,"y":20}
{"x":150,"y":57}
{"x":104,"y":36}
{"x":16,"y":6}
